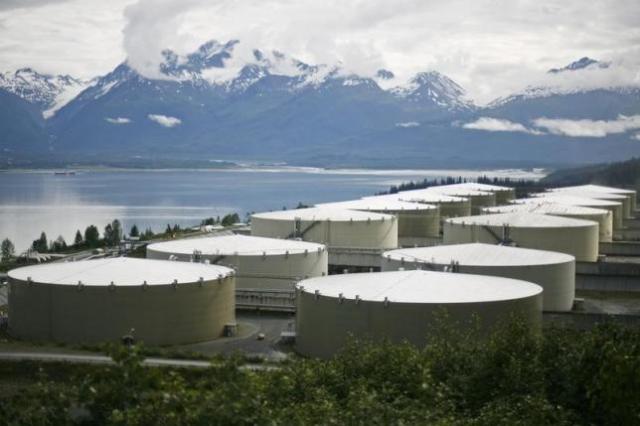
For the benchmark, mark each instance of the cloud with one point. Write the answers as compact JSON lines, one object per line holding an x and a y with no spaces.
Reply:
{"x":636,"y":137}
{"x":164,"y":120}
{"x":408,"y":124}
{"x":589,"y":128}
{"x":492,"y":48}
{"x":118,"y":120}
{"x":499,"y":125}
{"x":25,"y":4}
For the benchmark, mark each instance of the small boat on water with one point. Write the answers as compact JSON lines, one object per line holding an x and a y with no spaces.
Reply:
{"x":65,"y":173}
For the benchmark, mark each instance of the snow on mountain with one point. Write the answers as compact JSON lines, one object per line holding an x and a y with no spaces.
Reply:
{"x":434,"y":87}
{"x":581,"y":76}
{"x":580,"y":64}
{"x":47,"y":92}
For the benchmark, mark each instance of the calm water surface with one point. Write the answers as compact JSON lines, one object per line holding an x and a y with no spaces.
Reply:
{"x":32,"y":202}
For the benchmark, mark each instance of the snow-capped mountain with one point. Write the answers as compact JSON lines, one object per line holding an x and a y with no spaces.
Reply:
{"x":580,"y":64}
{"x":560,"y":87}
{"x":226,"y":101}
{"x":47,"y":92}
{"x":437,"y":88}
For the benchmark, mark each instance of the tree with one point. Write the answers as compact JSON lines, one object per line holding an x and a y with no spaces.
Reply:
{"x":113,"y":233}
{"x":59,"y":244}
{"x":230,"y":219}
{"x":92,"y":236}
{"x":168,"y":230}
{"x":7,"y":249}
{"x":41,"y":244}
{"x":134,"y":231}
{"x":77,"y":241}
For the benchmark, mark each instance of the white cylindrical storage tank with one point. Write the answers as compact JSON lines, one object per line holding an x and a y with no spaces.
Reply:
{"x":478,"y":199}
{"x":615,"y":207}
{"x":404,"y":306}
{"x":554,"y":272}
{"x":630,"y":194}
{"x":416,"y":221}
{"x":576,"y":237}
{"x":449,"y":206}
{"x":504,"y":194}
{"x":620,"y":198}
{"x":260,"y":263}
{"x":164,"y":303}
{"x":336,"y":228}
{"x":546,"y":206}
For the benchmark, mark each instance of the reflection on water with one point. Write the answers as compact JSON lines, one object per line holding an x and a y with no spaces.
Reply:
{"x":32,"y":202}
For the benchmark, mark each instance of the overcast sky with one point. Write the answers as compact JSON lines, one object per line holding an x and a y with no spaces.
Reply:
{"x":490,"y":47}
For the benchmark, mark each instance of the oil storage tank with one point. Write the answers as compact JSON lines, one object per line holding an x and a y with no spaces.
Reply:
{"x":164,"y":303}
{"x":504,"y":194}
{"x":417,"y":222}
{"x":449,"y":206}
{"x":404,"y":306}
{"x":329,"y":226}
{"x":629,"y":194}
{"x":545,"y":206}
{"x":615,"y":207}
{"x":554,"y":272}
{"x":576,"y":237}
{"x":260,"y":263}
{"x":479,"y":199}
{"x":354,"y":239}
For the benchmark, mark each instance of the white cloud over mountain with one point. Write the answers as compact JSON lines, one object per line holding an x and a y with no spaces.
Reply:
{"x":118,"y":120}
{"x":165,"y":120}
{"x":499,"y":125}
{"x":589,"y":128}
{"x":492,"y":48}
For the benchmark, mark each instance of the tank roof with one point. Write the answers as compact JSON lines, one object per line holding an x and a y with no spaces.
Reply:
{"x":589,"y":194}
{"x":324,"y":214}
{"x":523,"y":220}
{"x":420,"y":287}
{"x":236,"y":244}
{"x":479,"y":254}
{"x":123,"y":271}
{"x":420,"y":196}
{"x":479,"y":187}
{"x":458,"y":192}
{"x":546,"y":206}
{"x":572,"y":200}
{"x":594,"y":188}
{"x":379,"y":205}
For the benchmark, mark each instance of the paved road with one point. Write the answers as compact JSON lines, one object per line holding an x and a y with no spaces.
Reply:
{"x":101,"y":359}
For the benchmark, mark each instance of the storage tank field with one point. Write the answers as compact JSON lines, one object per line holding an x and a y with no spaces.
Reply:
{"x":554,"y":272}
{"x":336,"y":228}
{"x":416,"y":221}
{"x":630,"y":195}
{"x":603,"y":217}
{"x":260,"y":263}
{"x":404,"y":306}
{"x":614,"y":207}
{"x":449,"y":206}
{"x":93,"y":301}
{"x":477,"y":198}
{"x":504,"y":194}
{"x":578,"y":238}
{"x":619,"y":198}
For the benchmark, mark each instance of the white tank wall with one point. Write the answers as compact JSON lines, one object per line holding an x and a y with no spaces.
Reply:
{"x":324,"y":324}
{"x":160,"y":314}
{"x":271,"y":271}
{"x":580,"y":242}
{"x":604,"y":219}
{"x":557,"y":279}
{"x":370,"y":234}
{"x":615,"y":208}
